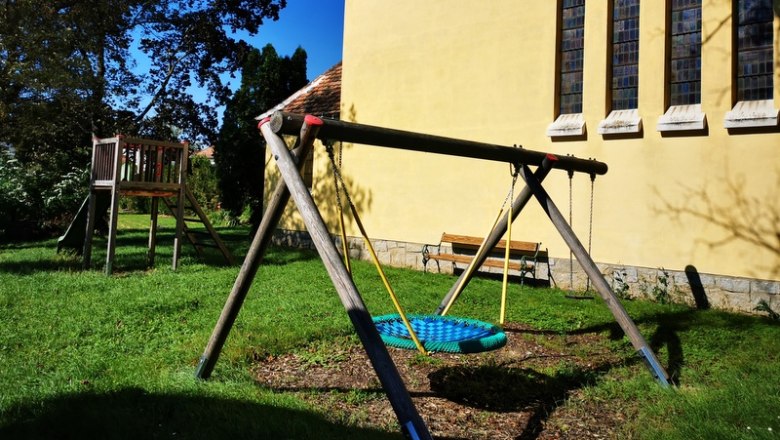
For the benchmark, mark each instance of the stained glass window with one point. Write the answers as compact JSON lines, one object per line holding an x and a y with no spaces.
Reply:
{"x":685,"y":56}
{"x":625,"y":54}
{"x":572,"y":38}
{"x":754,"y":50}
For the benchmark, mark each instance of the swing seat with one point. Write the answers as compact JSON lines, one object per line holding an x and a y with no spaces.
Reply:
{"x":441,"y":333}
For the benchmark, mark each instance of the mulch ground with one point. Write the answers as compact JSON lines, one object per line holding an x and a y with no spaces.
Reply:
{"x":530,"y":389}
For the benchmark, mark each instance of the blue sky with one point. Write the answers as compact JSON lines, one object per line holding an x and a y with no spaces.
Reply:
{"x":315,"y":25}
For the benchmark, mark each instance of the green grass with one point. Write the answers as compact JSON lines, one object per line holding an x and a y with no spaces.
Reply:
{"x":83,"y":355}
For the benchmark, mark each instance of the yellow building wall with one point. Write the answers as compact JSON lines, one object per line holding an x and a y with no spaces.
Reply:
{"x":485,"y":71}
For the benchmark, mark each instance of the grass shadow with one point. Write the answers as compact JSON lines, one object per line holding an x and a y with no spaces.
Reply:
{"x":131,"y":253}
{"x":502,"y":388}
{"x":134,"y":413}
{"x":669,"y":327}
{"x":499,"y":388}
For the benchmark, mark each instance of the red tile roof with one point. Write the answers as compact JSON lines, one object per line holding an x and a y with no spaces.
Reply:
{"x":321,"y":97}
{"x":207,"y":152}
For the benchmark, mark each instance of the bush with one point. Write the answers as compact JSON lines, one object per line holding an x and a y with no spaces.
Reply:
{"x":203,"y":183}
{"x":64,"y":198}
{"x":135,"y":204}
{"x":15,"y":200}
{"x":35,"y":202}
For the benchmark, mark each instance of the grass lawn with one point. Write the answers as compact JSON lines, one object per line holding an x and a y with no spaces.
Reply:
{"x":83,"y":355}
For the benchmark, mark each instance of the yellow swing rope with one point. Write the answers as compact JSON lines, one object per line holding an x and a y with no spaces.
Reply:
{"x":507,"y":248}
{"x":340,"y":184}
{"x":471,"y":267}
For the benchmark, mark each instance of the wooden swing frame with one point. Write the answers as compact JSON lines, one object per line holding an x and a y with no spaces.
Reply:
{"x":309,"y":128}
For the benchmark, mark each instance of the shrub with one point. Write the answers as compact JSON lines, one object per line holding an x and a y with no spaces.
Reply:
{"x":36,"y":202}
{"x":203,"y":183}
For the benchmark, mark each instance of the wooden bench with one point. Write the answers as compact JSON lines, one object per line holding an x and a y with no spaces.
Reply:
{"x":524,"y":256}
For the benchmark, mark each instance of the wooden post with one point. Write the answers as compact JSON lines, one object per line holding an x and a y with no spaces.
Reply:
{"x":87,"y":251}
{"x":181,"y":168}
{"x":255,"y":255}
{"x":492,"y":239}
{"x":383,"y":364}
{"x":114,"y":209}
{"x":152,"y":231}
{"x":599,"y":282}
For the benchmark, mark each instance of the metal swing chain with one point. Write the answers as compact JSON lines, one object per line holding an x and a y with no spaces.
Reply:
{"x":514,"y":171}
{"x":336,"y":174}
{"x":571,"y":225}
{"x":590,"y":221}
{"x":339,"y":182}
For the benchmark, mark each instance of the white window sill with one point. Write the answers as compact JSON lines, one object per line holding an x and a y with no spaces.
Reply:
{"x":747,"y":114}
{"x":572,"y":124}
{"x":621,"y":122}
{"x":682,"y":118}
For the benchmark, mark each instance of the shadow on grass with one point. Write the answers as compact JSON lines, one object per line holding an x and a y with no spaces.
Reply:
{"x":669,"y":324}
{"x":132,"y":249}
{"x":131,"y":253}
{"x":135,"y":414}
{"x":667,"y":327}
{"x":500,"y":388}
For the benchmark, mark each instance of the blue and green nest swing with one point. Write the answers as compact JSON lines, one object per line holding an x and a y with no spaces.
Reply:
{"x":426,"y":333}
{"x":445,"y":334}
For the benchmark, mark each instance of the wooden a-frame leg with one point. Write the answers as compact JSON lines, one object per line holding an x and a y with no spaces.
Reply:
{"x":599,"y":282}
{"x":112,"y":230}
{"x":253,"y":258}
{"x":388,"y":375}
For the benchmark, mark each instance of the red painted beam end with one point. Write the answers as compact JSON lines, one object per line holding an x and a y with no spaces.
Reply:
{"x":313,"y":120}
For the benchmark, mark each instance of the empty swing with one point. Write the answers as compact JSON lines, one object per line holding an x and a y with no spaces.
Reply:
{"x":426,"y":333}
{"x":574,"y":295}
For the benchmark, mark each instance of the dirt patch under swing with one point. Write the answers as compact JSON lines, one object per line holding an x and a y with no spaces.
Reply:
{"x":530,"y":389}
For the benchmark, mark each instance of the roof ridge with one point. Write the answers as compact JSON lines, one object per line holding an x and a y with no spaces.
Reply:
{"x":321,"y":99}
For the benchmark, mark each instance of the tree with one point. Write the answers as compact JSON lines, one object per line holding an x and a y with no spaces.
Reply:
{"x":266,"y":80}
{"x":66,"y":67}
{"x":67,"y":70}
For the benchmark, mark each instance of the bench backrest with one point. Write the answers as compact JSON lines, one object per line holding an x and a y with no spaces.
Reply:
{"x":467,"y":241}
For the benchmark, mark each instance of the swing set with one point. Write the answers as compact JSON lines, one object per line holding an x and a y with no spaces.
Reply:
{"x":435,"y":332}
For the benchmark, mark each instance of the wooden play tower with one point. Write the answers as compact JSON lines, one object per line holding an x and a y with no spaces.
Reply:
{"x":145,"y":168}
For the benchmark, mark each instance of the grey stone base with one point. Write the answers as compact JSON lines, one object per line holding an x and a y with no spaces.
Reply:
{"x":686,"y":286}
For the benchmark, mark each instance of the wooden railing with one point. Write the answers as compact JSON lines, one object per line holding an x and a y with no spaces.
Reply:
{"x":138,"y":163}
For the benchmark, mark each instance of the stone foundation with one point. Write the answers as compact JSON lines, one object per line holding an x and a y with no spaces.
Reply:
{"x":680,"y":286}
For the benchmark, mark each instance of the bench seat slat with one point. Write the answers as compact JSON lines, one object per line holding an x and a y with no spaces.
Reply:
{"x":490,"y":262}
{"x":469,"y":241}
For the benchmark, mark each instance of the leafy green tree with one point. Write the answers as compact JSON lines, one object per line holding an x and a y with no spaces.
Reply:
{"x":266,"y":80}
{"x":67,"y":70}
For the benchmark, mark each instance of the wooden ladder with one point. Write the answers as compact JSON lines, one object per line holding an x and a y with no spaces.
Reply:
{"x":198,"y":237}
